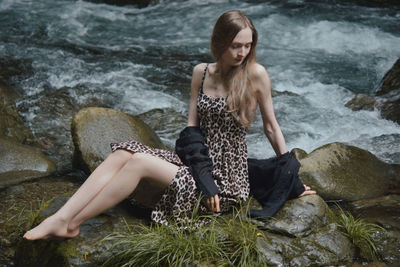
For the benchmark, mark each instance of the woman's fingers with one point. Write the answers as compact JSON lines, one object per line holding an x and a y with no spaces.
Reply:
{"x":212,"y":203}
{"x":308,"y":192}
{"x":216,"y":201}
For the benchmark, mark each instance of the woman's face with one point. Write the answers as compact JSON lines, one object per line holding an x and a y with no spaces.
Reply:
{"x":239,"y":48}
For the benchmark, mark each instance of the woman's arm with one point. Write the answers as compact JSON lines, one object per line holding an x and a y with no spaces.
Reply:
{"x":197,"y":75}
{"x":212,"y":203}
{"x":262,"y":86}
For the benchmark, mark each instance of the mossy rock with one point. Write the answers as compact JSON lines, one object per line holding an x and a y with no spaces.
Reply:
{"x":94,"y":129}
{"x":11,"y":123}
{"x":84,"y":250}
{"x":20,"y":163}
{"x":337,"y":171}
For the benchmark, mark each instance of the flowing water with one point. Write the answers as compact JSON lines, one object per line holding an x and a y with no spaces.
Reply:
{"x":319,"y":54}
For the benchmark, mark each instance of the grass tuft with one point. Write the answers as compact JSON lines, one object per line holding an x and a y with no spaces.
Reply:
{"x":360,"y":233}
{"x":223,"y":242}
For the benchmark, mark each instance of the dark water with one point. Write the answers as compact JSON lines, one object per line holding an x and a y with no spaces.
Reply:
{"x":320,"y":53}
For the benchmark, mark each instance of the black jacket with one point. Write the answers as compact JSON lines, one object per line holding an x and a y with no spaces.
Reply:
{"x":272,"y":181}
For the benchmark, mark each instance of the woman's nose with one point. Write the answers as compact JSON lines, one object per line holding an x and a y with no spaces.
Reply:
{"x":241,"y":51}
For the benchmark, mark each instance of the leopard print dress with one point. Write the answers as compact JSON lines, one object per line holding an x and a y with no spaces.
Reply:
{"x":226,"y":141}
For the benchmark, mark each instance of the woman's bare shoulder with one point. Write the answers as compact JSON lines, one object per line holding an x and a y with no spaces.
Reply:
{"x":260,"y":78}
{"x":258,"y":71}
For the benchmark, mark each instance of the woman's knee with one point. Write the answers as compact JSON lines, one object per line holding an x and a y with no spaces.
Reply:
{"x":119,"y":155}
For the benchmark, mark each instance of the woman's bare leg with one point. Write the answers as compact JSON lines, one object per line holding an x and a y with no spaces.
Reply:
{"x":65,"y":223}
{"x":122,"y":185}
{"x":57,"y":223}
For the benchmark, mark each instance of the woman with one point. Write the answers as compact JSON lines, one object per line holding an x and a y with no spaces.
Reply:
{"x":224,"y":97}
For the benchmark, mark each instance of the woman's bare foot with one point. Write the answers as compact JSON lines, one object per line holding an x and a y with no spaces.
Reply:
{"x":50,"y":228}
{"x":308,"y":191}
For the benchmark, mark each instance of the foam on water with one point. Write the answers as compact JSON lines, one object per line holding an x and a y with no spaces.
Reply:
{"x":126,"y":53}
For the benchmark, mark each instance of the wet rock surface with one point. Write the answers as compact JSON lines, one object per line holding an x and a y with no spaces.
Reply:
{"x":383,"y":211}
{"x":310,"y":240}
{"x":166,"y":123}
{"x":387,"y":98}
{"x":300,"y":217}
{"x":11,"y":123}
{"x":20,"y":163}
{"x":338,"y":171}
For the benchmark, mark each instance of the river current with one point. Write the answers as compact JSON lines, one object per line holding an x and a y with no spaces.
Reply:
{"x":319,"y":54}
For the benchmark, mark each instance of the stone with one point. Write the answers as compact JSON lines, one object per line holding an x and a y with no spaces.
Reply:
{"x":167,"y":122}
{"x":337,"y":171}
{"x":93,"y":129}
{"x":84,"y":250}
{"x":391,"y":80}
{"x":388,"y":246}
{"x":300,"y":216}
{"x":361,"y":102}
{"x":11,"y":123}
{"x":383,"y":210}
{"x":326,"y":246}
{"x":389,"y":94}
{"x":20,"y":163}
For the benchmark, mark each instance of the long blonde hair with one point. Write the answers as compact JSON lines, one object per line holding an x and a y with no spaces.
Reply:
{"x":241,"y":100}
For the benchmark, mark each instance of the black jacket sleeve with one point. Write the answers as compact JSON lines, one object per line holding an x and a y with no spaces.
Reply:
{"x":272,"y":182}
{"x":193,"y":153}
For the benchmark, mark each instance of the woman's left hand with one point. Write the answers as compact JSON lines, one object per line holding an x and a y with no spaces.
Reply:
{"x":308,"y":191}
{"x":212,"y":203}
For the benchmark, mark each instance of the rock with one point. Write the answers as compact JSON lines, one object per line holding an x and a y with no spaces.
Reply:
{"x":327,"y":246}
{"x":167,"y":122}
{"x":300,"y":217}
{"x":299,"y":153}
{"x":391,"y":80}
{"x":383,"y":211}
{"x":388,"y":246}
{"x":390,"y":108}
{"x":93,"y":129}
{"x":53,"y":117}
{"x":20,"y":163}
{"x":389,"y":94}
{"x":84,"y":250}
{"x":11,"y":123}
{"x":361,"y":102}
{"x":337,"y":171}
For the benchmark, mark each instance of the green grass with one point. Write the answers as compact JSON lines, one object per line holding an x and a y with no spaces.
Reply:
{"x":360,"y":233}
{"x":26,"y":217}
{"x":223,"y":242}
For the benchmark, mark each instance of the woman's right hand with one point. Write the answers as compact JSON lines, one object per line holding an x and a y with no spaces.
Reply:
{"x":212,"y":203}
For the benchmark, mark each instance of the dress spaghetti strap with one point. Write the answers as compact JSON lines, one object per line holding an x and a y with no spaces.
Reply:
{"x":204,"y":77}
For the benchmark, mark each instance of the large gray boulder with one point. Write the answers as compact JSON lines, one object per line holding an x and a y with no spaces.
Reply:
{"x":338,"y":171}
{"x":20,"y":163}
{"x":93,"y":129}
